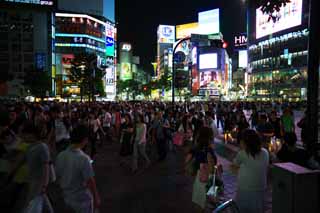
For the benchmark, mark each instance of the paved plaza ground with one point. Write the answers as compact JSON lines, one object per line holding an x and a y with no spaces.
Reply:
{"x":161,"y":188}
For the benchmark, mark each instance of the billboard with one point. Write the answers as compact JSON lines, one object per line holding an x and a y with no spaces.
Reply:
{"x":243,"y":58}
{"x":208,"y":61}
{"x":288,"y":16}
{"x":40,"y":2}
{"x":166,"y":34}
{"x":209,"y":22}
{"x":208,"y":79}
{"x":195,"y":80}
{"x":125,"y":72}
{"x":186,"y":30}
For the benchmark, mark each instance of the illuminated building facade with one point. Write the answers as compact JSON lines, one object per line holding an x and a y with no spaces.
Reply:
{"x":81,"y":33}
{"x":278,"y":54}
{"x":84,"y":28}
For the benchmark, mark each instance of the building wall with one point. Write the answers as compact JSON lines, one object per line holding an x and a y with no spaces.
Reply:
{"x":24,"y":37}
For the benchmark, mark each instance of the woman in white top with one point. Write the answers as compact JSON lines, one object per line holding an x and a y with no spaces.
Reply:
{"x":140,"y":142}
{"x":251,"y":163}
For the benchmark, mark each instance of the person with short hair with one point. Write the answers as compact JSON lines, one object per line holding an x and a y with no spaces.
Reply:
{"x":75,"y":174}
{"x":290,"y":153}
{"x":251,"y":163}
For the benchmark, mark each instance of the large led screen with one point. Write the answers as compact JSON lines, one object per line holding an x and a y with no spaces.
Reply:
{"x":209,"y":79}
{"x":288,"y":16}
{"x":209,"y":22}
{"x":208,"y":61}
{"x":125,"y":72}
{"x":41,"y":2}
{"x":243,"y":58}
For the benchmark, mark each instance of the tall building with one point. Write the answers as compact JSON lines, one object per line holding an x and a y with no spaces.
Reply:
{"x":278,"y":53}
{"x":83,"y":28}
{"x":25,"y":41}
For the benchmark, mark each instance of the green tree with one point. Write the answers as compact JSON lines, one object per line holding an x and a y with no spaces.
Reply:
{"x":87,"y":75}
{"x":38,"y":82}
{"x":129,"y":87}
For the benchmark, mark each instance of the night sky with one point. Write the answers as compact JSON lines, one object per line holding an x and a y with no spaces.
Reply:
{"x":138,"y":20}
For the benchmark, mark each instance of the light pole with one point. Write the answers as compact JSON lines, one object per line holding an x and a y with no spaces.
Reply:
{"x":173,"y":67}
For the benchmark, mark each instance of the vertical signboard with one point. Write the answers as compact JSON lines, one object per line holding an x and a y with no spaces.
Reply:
{"x":166,"y":34}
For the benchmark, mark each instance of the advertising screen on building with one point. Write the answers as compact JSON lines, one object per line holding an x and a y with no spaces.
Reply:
{"x":288,"y":16}
{"x":243,"y":58}
{"x":166,"y":34}
{"x":125,"y":72}
{"x":209,"y":22}
{"x":110,"y":31}
{"x":209,"y":79}
{"x":40,"y":2}
{"x":186,"y":30}
{"x":208,"y":61}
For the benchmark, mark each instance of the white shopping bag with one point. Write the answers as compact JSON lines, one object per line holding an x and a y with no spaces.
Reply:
{"x":35,"y":205}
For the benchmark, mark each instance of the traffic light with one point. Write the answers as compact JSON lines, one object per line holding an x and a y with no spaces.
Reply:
{"x":145,"y":88}
{"x":225,"y":45}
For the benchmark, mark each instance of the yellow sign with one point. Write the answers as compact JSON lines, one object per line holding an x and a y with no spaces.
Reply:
{"x":186,"y":30}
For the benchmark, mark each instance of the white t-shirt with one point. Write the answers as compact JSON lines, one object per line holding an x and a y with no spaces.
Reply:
{"x":253,"y":171}
{"x":61,"y":130}
{"x":73,"y":170}
{"x":107,"y":120}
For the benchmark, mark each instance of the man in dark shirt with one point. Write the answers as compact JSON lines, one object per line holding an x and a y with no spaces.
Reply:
{"x":290,"y":153}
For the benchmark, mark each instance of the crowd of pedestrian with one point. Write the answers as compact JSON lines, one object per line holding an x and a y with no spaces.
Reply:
{"x":49,"y":142}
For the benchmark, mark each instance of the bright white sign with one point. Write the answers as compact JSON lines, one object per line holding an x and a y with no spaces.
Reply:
{"x":126,"y":47}
{"x":243,"y":58}
{"x":208,"y":61}
{"x":166,"y":34}
{"x":288,"y":16}
{"x":209,"y":22}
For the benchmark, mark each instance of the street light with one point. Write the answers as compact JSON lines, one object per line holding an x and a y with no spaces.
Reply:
{"x":173,"y":67}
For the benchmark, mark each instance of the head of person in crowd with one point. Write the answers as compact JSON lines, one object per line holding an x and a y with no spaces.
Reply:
{"x":127,"y":118}
{"x":54,"y":112}
{"x":205,"y":137}
{"x":79,"y":136}
{"x":251,"y":142}
{"x":31,"y":133}
{"x":287,"y":111}
{"x":263,"y":119}
{"x":273,"y":115}
{"x":290,"y":139}
{"x":139,"y":118}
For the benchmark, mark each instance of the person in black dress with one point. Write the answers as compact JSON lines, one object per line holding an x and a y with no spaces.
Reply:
{"x":126,"y":136}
